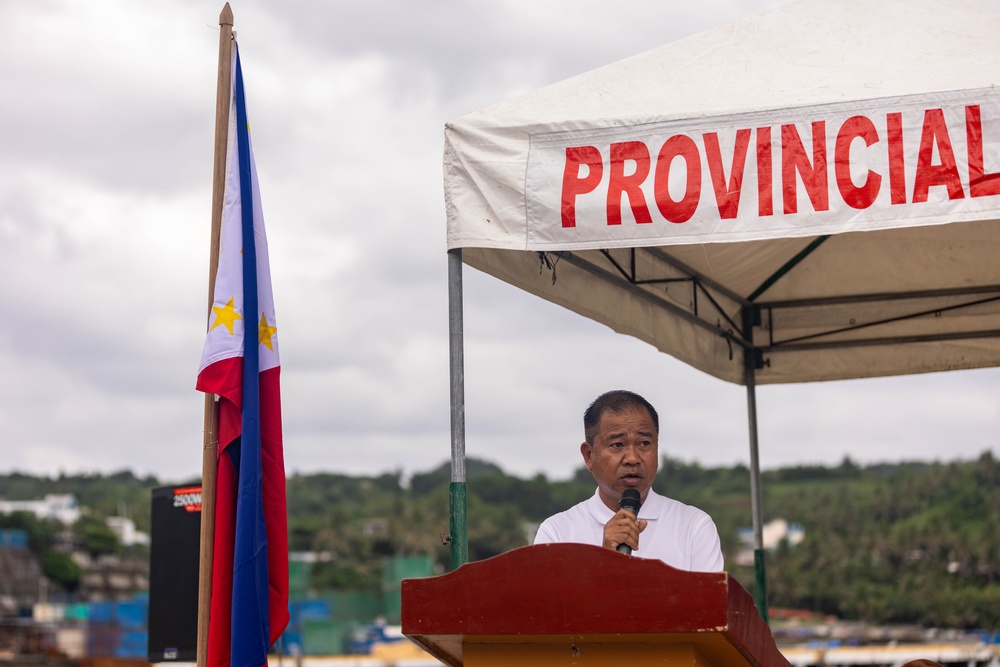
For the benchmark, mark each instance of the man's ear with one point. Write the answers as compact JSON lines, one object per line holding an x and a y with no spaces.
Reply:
{"x":587,"y":450}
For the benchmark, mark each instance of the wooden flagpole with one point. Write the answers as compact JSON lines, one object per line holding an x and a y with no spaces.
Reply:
{"x":211,"y":433}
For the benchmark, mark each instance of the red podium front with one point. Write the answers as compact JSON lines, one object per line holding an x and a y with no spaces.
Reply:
{"x":573,"y":604}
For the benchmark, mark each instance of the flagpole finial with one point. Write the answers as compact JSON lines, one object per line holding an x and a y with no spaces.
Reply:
{"x":226,"y":17}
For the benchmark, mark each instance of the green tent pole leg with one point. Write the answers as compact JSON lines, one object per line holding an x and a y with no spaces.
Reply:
{"x":760,"y":581}
{"x":458,"y":521}
{"x":458,"y":525}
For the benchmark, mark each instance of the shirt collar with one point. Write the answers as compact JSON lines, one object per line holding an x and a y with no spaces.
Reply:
{"x":602,"y":513}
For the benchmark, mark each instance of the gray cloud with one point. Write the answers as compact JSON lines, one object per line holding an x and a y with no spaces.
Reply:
{"x":105,"y":194}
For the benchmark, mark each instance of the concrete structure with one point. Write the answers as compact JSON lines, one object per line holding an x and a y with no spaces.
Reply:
{"x":125,"y":530}
{"x":62,"y":507}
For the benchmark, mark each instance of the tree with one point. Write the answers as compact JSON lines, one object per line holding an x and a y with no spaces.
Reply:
{"x":60,"y":568}
{"x":95,"y":535}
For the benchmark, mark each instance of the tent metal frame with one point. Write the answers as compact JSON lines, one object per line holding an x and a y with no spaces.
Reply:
{"x":704,"y":288}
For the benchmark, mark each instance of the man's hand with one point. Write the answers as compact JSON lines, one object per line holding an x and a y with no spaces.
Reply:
{"x":623,"y":528}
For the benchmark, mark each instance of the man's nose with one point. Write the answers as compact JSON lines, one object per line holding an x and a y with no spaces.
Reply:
{"x":631,"y":455}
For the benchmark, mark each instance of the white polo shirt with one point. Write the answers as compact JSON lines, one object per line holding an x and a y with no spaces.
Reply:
{"x":680,"y":535}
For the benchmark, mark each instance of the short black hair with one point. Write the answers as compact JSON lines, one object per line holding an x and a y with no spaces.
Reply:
{"x":617,"y":400}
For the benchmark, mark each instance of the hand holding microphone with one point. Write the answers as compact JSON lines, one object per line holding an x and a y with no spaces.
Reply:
{"x":623,"y":530}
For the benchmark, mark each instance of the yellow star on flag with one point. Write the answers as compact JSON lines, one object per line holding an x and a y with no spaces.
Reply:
{"x":265,"y":331}
{"x":226,"y":315}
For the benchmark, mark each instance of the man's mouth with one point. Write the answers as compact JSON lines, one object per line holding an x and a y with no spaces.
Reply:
{"x":631,"y":479}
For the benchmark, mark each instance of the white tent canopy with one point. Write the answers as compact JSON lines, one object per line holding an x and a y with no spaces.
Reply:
{"x":817,"y":184}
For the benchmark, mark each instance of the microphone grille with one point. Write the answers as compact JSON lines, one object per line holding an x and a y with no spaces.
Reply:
{"x":631,"y":500}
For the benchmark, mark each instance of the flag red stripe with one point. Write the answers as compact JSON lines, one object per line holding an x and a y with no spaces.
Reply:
{"x":223,"y":378}
{"x":220,"y":615}
{"x":275,"y":512}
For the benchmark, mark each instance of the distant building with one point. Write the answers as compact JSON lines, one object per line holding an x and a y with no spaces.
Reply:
{"x":113,"y":577}
{"x":773,"y":533}
{"x":62,"y":507}
{"x":13,"y":538}
{"x":21,"y":578}
{"x":126,"y":532}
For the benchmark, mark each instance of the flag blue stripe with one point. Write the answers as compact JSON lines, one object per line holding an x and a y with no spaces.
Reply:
{"x":250,"y":622}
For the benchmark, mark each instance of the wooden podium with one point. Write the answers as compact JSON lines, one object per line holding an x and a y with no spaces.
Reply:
{"x":573,"y":604}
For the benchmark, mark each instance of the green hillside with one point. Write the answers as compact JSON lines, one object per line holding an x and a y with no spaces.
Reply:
{"x":892,"y":543}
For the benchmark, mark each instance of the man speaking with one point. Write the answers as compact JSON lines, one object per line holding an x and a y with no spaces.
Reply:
{"x":620,"y":450}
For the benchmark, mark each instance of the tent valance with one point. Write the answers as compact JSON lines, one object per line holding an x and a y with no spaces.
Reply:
{"x":818,"y":184}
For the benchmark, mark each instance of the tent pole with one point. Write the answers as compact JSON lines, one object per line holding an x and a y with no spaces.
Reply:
{"x":756,"y":502}
{"x":458,"y":521}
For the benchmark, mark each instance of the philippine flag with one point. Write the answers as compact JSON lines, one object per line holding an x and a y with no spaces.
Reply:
{"x":249,"y":606}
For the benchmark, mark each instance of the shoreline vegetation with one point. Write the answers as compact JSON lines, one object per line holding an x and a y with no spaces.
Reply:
{"x":892,"y":543}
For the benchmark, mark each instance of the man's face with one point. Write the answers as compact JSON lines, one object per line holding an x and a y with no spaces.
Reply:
{"x":623,"y":454}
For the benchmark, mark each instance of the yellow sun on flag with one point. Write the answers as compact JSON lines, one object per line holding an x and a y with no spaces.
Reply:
{"x":265,"y":332}
{"x":226,"y":316}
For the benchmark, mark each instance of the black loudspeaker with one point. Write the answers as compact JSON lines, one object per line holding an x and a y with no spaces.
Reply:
{"x":173,"y":574}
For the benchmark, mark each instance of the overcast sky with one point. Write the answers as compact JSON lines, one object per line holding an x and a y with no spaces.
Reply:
{"x":107,"y":114}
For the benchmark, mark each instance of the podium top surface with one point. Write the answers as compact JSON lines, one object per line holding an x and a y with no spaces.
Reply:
{"x":536,"y":593}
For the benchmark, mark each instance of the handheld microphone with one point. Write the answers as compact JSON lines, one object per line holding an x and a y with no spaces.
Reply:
{"x":631,"y":501}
